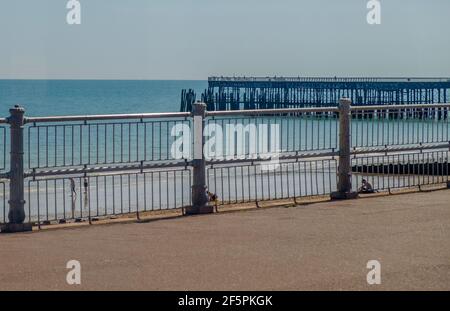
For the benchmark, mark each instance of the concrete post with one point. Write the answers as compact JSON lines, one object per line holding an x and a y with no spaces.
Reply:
{"x":344,"y":186}
{"x":16,"y":213}
{"x":200,"y":201}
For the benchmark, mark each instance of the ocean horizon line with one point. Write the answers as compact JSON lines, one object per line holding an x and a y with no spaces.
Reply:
{"x":94,"y":79}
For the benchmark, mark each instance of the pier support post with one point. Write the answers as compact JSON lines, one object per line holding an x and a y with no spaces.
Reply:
{"x":16,"y":215}
{"x":200,"y":201}
{"x":344,"y":185}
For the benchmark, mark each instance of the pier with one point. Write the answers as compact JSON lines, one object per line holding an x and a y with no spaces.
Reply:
{"x":243,"y":93}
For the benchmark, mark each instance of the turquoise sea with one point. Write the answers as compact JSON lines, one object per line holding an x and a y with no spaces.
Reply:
{"x":73,"y":97}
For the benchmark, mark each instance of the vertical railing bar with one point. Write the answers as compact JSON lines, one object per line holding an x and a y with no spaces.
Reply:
{"x":159,"y":190}
{"x":97,"y":199}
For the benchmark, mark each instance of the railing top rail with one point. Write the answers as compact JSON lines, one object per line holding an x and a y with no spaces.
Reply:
{"x":255,"y":112}
{"x":258,"y":112}
{"x":136,"y":116}
{"x":396,"y":107}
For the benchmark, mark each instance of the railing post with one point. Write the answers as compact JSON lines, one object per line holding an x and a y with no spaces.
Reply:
{"x":344,"y":186}
{"x":200,"y":201}
{"x":16,"y":213}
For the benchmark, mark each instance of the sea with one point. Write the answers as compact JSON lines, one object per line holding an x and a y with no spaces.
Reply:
{"x":75,"y":97}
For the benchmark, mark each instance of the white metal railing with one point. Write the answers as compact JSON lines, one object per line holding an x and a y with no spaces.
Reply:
{"x":77,"y":166}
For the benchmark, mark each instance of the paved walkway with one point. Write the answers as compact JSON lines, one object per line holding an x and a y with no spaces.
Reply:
{"x":323,"y":246}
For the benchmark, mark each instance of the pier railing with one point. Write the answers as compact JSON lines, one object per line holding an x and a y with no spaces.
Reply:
{"x":327,"y":79}
{"x":86,"y":168}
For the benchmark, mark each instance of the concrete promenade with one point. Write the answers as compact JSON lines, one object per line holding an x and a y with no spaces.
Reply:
{"x":322,"y":246}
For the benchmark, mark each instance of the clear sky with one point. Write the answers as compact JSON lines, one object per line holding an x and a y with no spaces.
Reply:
{"x":194,"y":39}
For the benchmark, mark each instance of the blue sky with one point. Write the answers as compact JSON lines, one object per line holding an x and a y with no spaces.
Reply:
{"x":194,"y":39}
